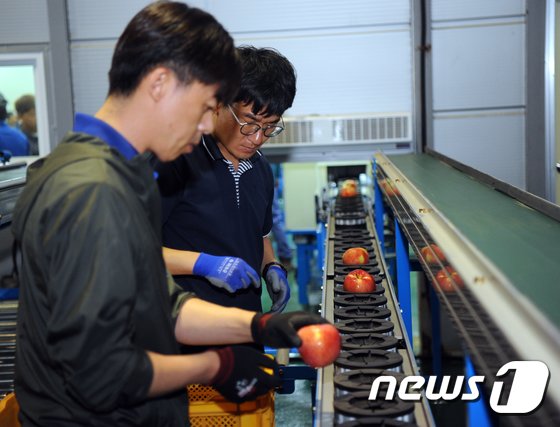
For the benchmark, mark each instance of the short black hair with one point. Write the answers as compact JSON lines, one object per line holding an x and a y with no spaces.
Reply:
{"x":187,"y":40}
{"x":268,"y":80}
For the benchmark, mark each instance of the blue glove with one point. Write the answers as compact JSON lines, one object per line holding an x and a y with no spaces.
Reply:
{"x":226,"y":272}
{"x":277,"y":285}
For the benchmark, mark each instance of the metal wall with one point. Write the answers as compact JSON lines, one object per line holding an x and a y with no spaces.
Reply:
{"x":361,"y":48}
{"x":478,"y":85}
{"x":23,"y":22}
{"x":353,"y":57}
{"x":38,"y":27}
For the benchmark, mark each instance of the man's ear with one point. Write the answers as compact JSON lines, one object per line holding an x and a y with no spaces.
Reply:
{"x":158,"y":82}
{"x":219,"y":108}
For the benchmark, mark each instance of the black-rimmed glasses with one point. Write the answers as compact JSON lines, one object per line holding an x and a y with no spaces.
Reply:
{"x":252,"y":128}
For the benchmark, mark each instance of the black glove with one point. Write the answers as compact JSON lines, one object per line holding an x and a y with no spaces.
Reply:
{"x":276,"y":278}
{"x":280,"y":330}
{"x":241,"y":375}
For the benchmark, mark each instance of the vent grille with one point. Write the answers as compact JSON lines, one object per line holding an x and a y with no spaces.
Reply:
{"x":297,"y":131}
{"x":339,"y":130}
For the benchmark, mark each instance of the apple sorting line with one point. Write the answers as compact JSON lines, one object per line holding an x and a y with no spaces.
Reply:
{"x":372,"y":331}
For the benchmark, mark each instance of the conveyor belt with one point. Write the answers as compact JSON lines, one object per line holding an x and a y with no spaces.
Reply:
{"x":374,"y":339}
{"x":523,"y":243}
{"x":507,"y":255}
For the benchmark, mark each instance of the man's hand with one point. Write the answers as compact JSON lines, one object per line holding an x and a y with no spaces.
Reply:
{"x":242,"y":376}
{"x":280,"y":330}
{"x":226,"y":272}
{"x":277,"y":285}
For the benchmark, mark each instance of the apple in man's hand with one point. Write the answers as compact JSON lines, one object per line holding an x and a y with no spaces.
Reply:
{"x":359,"y":281}
{"x":320,"y":344}
{"x":354,"y":256}
{"x":432,"y":254}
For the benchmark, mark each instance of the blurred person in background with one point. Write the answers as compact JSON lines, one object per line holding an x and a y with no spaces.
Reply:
{"x":279,"y":233}
{"x":27,"y":121}
{"x":11,"y":139}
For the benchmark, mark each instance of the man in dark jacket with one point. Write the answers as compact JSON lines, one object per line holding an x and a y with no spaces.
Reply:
{"x":100,"y":321}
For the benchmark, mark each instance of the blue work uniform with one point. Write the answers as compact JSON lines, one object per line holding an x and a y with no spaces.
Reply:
{"x":13,"y":140}
{"x":209,"y":207}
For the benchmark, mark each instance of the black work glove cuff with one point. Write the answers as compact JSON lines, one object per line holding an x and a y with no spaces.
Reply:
{"x":245,"y":373}
{"x":257,"y":326}
{"x":270,"y":264}
{"x":226,"y":366}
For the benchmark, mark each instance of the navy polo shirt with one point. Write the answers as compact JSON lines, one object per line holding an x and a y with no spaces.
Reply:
{"x":207,"y":207}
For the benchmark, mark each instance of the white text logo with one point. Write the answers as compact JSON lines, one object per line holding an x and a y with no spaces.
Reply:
{"x":527,"y":390}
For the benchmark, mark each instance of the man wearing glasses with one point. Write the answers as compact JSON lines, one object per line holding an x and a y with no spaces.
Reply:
{"x":217,"y":201}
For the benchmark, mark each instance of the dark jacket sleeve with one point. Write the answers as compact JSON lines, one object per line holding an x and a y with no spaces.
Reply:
{"x":178,"y":296}
{"x":89,"y":244}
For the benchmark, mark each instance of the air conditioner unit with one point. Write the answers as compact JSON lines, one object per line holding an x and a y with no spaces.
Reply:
{"x":325,"y":130}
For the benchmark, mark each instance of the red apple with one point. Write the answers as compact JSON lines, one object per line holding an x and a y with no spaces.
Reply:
{"x":389,"y":188}
{"x":348,"y":192}
{"x":359,"y":281}
{"x":320,"y":344}
{"x":432,"y":254}
{"x":446,"y":280}
{"x":356,"y":255}
{"x":349,"y":183}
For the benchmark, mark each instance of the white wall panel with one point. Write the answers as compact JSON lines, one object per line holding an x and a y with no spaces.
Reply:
{"x":353,"y":57}
{"x":102,"y":19}
{"x":479,"y":66}
{"x":473,"y":9}
{"x":366,"y":72}
{"x":23,"y":21}
{"x":492,"y":143}
{"x":271,"y":15}
{"x":90,"y":74}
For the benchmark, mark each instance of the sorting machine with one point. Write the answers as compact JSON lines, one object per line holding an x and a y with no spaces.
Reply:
{"x":374,"y":340}
{"x":12,"y":181}
{"x":503,"y":244}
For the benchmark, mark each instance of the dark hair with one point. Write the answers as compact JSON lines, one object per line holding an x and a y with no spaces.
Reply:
{"x":187,"y":40}
{"x":24,"y":104}
{"x":268,"y":80}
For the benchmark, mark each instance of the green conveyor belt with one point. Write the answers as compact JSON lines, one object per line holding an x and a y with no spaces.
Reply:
{"x":522,"y":242}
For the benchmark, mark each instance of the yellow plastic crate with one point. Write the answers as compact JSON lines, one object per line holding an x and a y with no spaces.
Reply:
{"x":208,"y":408}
